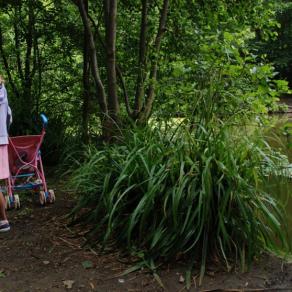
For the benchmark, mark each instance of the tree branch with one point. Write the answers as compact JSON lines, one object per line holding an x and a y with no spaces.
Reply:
{"x":94,"y":64}
{"x":153,"y":74}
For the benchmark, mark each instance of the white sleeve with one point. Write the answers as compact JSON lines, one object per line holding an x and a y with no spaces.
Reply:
{"x":9,"y":113}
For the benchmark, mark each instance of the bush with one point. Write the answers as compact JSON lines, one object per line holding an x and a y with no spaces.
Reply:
{"x":169,"y":191}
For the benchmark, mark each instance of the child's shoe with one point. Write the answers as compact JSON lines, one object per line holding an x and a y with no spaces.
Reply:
{"x":4,"y":226}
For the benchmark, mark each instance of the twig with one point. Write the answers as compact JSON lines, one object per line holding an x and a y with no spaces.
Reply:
{"x":70,"y":243}
{"x":36,"y":257}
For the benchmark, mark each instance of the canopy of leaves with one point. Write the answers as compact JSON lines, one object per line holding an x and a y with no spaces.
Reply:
{"x":208,"y":47}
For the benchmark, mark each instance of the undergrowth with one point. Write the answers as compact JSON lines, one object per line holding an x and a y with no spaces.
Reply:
{"x":169,"y":191}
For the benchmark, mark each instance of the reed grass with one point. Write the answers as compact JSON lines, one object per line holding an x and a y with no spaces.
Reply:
{"x":168,"y":191}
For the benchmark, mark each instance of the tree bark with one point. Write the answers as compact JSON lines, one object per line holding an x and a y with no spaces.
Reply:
{"x":145,"y":114}
{"x":111,"y":25}
{"x":29,"y":45}
{"x":118,"y":69}
{"x":27,"y":99}
{"x":142,"y":60}
{"x":101,"y":96}
{"x":17,"y":41}
{"x":86,"y":84}
{"x":39,"y":81}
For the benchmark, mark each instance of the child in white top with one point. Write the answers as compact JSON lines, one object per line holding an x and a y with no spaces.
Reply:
{"x":5,"y":119}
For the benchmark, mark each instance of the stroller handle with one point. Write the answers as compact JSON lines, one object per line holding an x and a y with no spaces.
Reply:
{"x":44,"y":120}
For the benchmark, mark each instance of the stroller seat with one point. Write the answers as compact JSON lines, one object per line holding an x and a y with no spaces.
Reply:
{"x":23,"y":153}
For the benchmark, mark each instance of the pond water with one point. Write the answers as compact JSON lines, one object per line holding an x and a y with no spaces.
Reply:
{"x":281,"y":139}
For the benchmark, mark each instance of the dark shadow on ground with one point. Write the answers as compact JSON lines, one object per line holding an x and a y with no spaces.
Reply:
{"x":42,"y":254}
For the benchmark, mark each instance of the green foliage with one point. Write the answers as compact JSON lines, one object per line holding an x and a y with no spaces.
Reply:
{"x":168,"y":191}
{"x":46,"y":80}
{"x":227,"y":61}
{"x":207,"y":46}
{"x":279,"y":48}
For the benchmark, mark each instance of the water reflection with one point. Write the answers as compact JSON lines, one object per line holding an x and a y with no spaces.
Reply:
{"x":280,"y":138}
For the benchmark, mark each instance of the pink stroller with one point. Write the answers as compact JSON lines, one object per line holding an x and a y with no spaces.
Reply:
{"x":26,"y":168}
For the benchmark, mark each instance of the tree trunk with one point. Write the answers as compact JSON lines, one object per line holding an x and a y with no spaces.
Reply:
{"x":110,"y":16}
{"x":39,"y":80}
{"x":86,"y":84}
{"x":118,"y":69}
{"x":145,"y":114}
{"x":100,"y":91}
{"x":111,"y":24}
{"x":101,"y":96}
{"x":142,"y":60}
{"x":17,"y":41}
{"x":29,"y":45}
{"x":27,"y":98}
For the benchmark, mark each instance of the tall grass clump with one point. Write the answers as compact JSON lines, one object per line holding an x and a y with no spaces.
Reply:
{"x":169,"y":191}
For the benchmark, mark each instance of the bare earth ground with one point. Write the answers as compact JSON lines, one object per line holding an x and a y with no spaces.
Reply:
{"x":42,"y":254}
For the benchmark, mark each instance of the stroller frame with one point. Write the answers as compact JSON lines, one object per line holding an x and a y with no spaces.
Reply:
{"x":25,"y":164}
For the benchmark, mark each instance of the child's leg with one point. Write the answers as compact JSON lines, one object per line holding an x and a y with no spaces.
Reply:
{"x":2,"y":207}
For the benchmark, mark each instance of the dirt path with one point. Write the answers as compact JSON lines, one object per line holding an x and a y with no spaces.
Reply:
{"x":42,"y":254}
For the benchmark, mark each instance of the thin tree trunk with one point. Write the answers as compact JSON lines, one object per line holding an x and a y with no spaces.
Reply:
{"x":153,"y":74}
{"x":111,"y":24}
{"x":142,"y":60}
{"x":124,"y":88}
{"x":37,"y":69}
{"x":39,"y":81}
{"x":27,"y":99}
{"x":29,"y":45}
{"x":101,"y":96}
{"x":17,"y":41}
{"x":118,"y":69}
{"x":86,"y":84}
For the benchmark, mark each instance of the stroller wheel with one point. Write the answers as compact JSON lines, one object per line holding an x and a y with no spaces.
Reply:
{"x":7,"y":202}
{"x":42,"y":198}
{"x":52,"y":196}
{"x":16,"y":202}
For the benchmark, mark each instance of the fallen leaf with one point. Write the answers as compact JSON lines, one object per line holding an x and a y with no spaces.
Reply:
{"x":46,"y":262}
{"x":66,"y":259}
{"x":68,"y":284}
{"x":87,"y":264}
{"x":181,"y":279}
